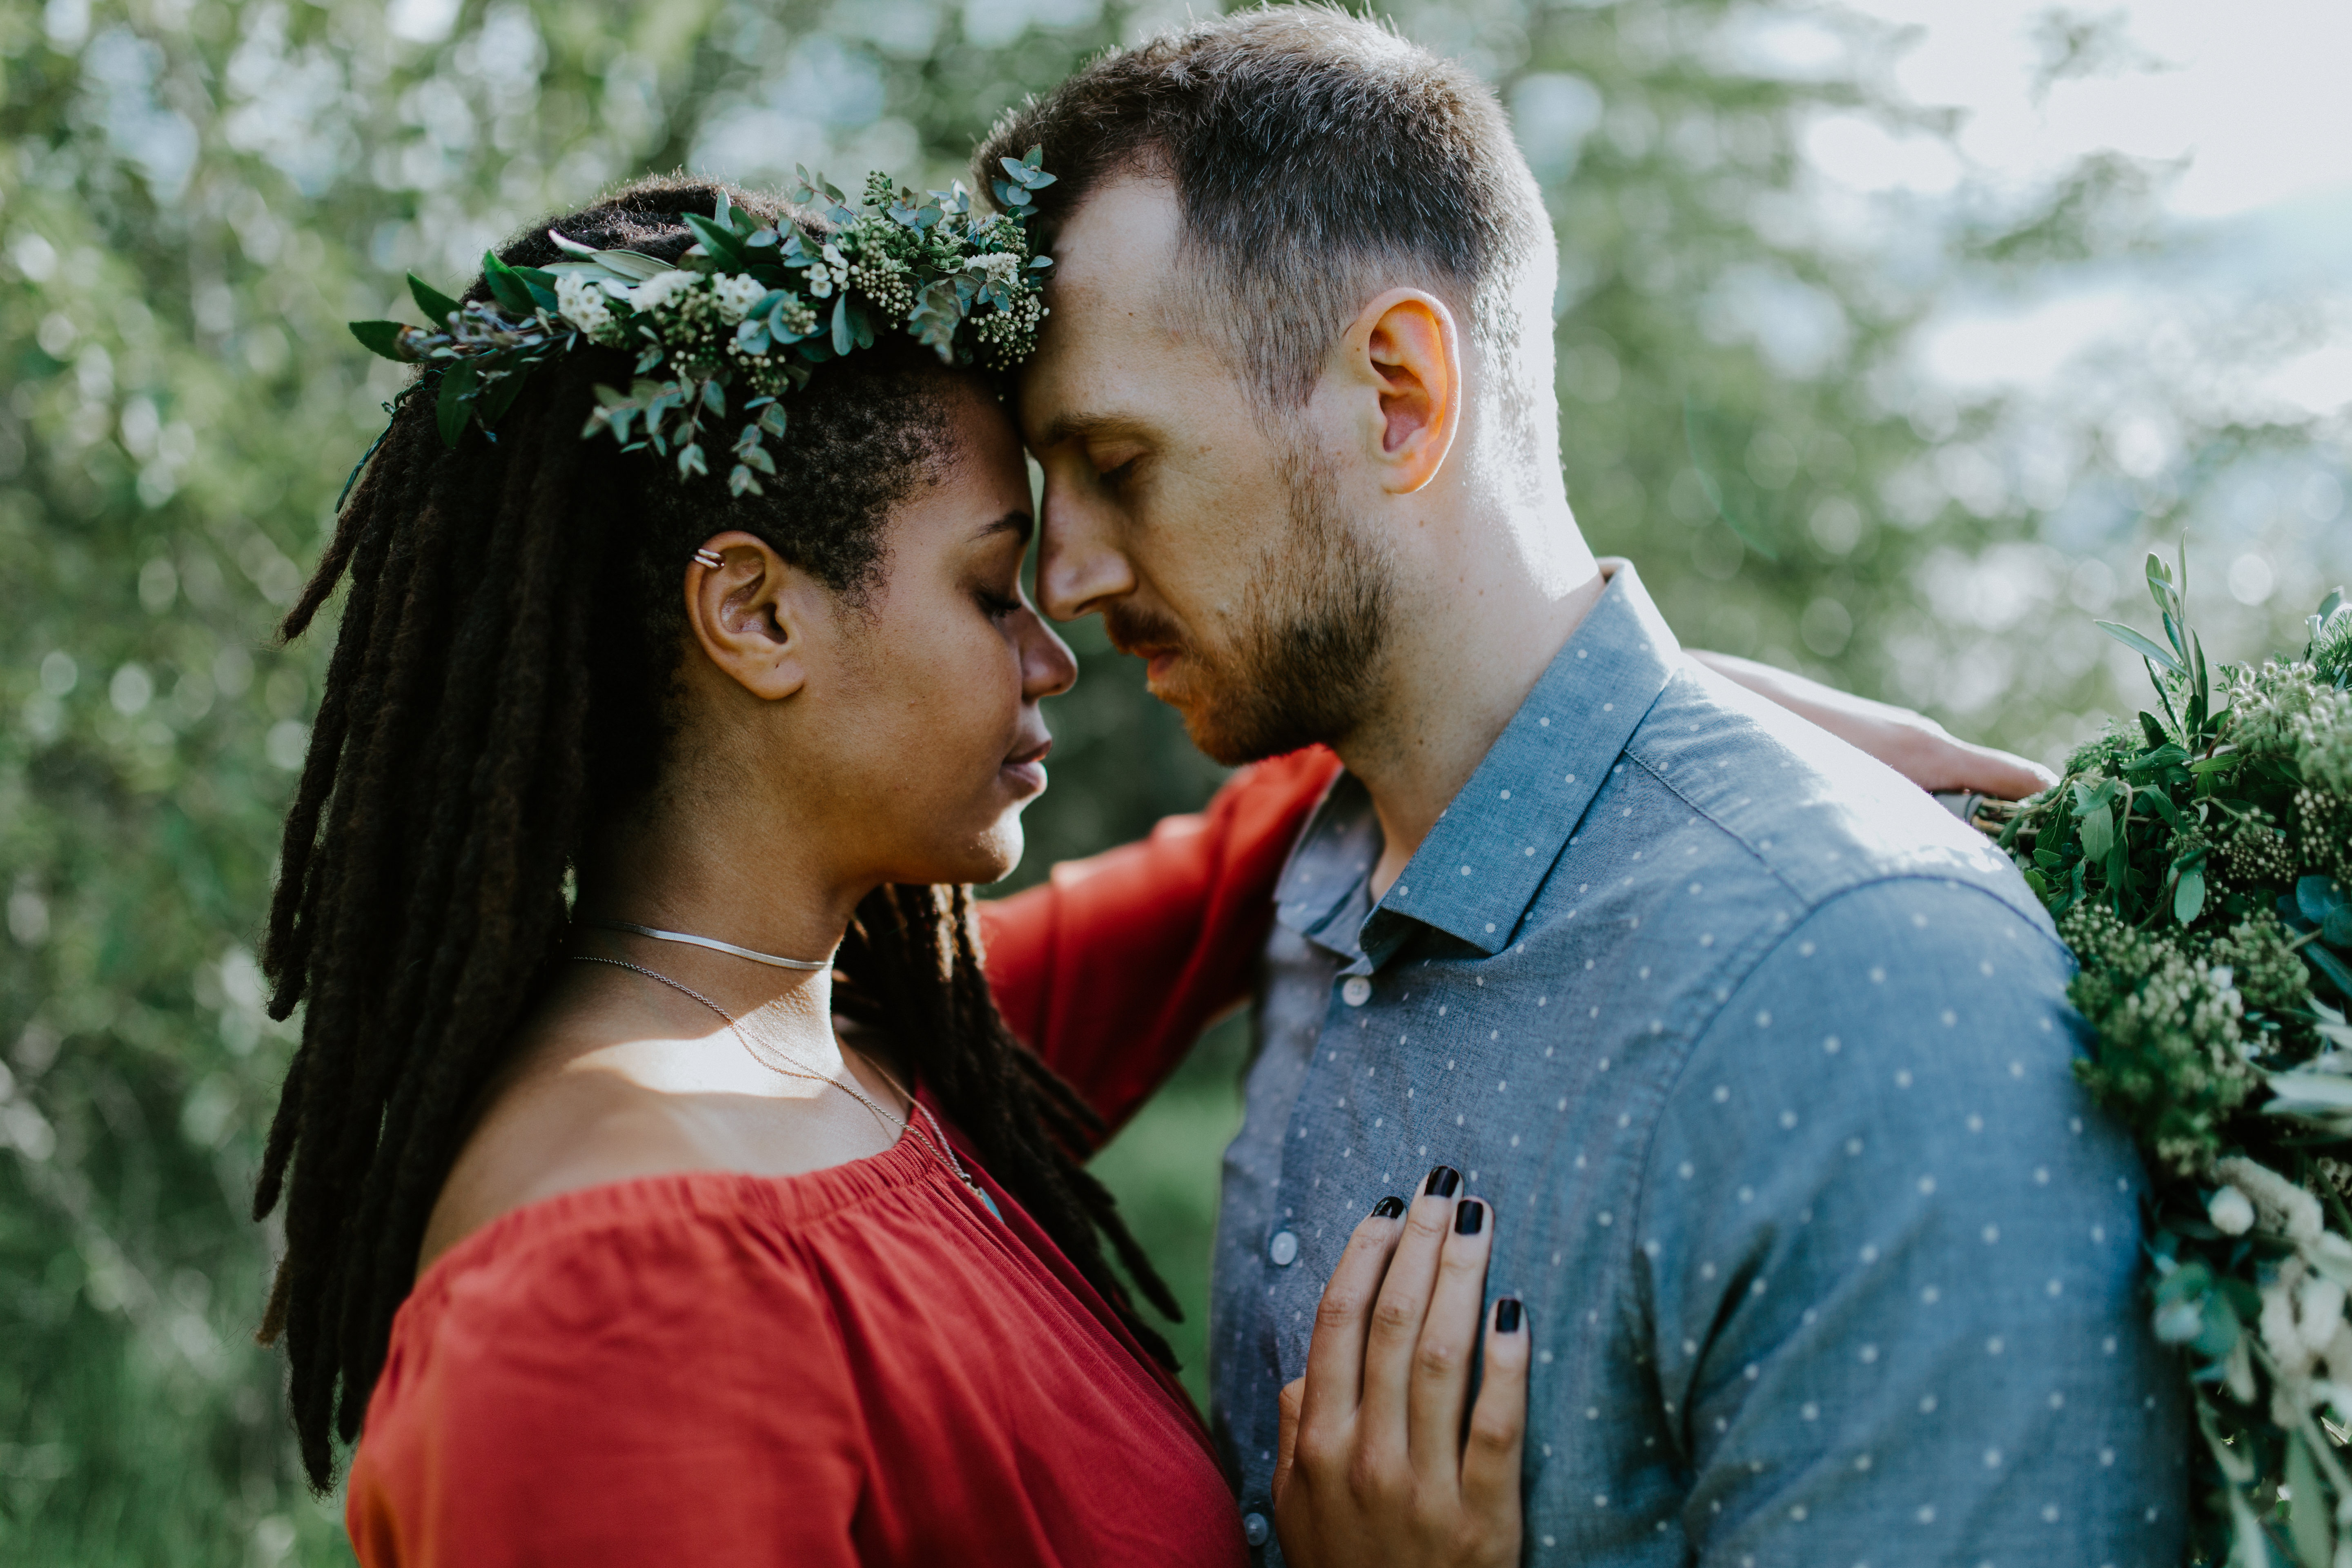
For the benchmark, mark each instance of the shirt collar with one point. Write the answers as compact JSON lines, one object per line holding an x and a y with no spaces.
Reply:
{"x":1482,"y":864}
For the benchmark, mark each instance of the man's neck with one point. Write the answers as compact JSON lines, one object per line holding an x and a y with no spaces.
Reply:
{"x":1471,"y":644}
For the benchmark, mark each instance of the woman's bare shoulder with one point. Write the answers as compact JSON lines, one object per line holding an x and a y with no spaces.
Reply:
{"x":557,"y":1131}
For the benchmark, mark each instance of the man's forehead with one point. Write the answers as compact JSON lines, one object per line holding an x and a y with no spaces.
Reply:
{"x":1120,"y":240}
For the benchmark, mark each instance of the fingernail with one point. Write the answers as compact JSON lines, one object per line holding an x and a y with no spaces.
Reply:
{"x":1507,"y":1315}
{"x":1442,"y":1182}
{"x":1469,"y":1217}
{"x":1388,"y":1208}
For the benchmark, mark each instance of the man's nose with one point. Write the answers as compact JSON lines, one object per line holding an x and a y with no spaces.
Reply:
{"x":1080,"y":566}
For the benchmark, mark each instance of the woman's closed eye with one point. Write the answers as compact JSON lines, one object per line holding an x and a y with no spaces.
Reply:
{"x":998,"y":606}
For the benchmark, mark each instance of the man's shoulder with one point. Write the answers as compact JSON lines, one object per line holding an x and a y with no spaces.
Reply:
{"x":1789,"y":803}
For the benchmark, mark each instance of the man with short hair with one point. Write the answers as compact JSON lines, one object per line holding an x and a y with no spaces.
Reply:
{"x":1762,"y":1061}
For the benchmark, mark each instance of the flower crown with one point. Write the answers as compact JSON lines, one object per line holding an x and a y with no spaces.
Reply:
{"x":749,"y":306}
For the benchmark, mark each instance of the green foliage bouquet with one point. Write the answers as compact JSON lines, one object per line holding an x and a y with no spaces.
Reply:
{"x":2197,"y":862}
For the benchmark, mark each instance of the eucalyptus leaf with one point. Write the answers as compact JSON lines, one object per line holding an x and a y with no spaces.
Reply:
{"x":2142,"y":645}
{"x":2318,"y":897}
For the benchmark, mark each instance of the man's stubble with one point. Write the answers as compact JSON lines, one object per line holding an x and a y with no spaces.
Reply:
{"x":1316,"y":619}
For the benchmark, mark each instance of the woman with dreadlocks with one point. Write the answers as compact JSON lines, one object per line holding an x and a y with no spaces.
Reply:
{"x":626,"y":788}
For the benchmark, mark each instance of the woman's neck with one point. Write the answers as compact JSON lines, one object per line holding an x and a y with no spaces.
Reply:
{"x":731,"y":882}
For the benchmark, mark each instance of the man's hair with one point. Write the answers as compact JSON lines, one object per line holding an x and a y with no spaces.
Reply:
{"x":1317,"y":159}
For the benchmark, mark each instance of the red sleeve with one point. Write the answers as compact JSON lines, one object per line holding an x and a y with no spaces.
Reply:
{"x":565,"y":1411}
{"x":1112,"y":968}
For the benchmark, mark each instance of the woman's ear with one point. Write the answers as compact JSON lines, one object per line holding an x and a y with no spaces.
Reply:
{"x":754,"y":614}
{"x":1402,"y":357}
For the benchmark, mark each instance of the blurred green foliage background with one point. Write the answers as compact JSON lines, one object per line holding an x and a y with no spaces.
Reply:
{"x":196,"y":194}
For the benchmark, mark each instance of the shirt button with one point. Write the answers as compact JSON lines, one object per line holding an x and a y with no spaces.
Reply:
{"x":1283,"y":1248}
{"x":1254,"y":1529}
{"x":1355,"y":991}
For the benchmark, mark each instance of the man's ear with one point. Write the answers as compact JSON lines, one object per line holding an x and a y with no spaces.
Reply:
{"x":1402,"y":364}
{"x":754,"y":614}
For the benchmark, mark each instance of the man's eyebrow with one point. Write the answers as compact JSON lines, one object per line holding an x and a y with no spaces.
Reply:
{"x":1080,"y":426}
{"x":1017,"y":520}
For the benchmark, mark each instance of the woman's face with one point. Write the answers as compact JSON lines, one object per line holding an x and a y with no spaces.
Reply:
{"x":919,"y":731}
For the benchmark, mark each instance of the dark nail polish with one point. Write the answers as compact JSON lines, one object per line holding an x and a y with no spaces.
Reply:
{"x":1388,"y":1208}
{"x":1442,"y":1182}
{"x":1469,"y":1217}
{"x":1507,"y":1315}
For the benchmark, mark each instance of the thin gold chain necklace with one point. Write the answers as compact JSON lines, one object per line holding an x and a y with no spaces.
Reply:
{"x":937,"y":1140}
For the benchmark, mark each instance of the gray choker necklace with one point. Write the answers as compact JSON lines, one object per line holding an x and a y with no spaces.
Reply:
{"x":715,"y":945}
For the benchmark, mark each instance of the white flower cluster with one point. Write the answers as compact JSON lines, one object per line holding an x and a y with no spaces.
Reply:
{"x":999,"y":265}
{"x":2302,"y":1324}
{"x":583,"y":304}
{"x":737,"y":293}
{"x":823,"y":280}
{"x":661,"y":289}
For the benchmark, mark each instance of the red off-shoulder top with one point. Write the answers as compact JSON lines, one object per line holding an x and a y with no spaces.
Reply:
{"x":857,"y":1365}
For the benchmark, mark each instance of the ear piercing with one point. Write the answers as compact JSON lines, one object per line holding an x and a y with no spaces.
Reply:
{"x":710,"y":558}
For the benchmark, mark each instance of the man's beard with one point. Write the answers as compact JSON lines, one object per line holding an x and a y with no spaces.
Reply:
{"x":1316,"y":619}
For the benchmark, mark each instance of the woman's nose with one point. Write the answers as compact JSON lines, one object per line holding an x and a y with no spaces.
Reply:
{"x":1048,"y":667}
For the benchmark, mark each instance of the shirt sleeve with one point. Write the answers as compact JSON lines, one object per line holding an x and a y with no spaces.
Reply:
{"x":1113,"y":966}
{"x":570,"y":1410}
{"x":1894,"y":1292}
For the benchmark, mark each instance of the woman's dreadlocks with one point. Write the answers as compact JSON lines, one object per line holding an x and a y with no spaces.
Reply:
{"x":500,"y":686}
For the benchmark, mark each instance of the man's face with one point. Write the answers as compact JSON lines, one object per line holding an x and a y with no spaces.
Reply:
{"x":1213,"y":540}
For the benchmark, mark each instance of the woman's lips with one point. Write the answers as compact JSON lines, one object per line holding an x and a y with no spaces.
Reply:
{"x":1026,"y":768}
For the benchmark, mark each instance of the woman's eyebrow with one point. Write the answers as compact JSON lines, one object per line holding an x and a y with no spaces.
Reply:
{"x":1017,"y":521}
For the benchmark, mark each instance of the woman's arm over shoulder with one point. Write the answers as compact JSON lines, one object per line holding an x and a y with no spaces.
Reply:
{"x":1112,"y":967}
{"x":618,"y":1394}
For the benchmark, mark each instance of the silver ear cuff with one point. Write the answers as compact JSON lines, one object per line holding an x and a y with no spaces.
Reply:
{"x":710,"y":558}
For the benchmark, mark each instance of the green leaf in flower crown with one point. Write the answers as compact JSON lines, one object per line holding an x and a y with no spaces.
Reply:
{"x":634,"y":265}
{"x":437,"y":307}
{"x":2334,"y":968}
{"x":381,"y":338}
{"x":2308,"y":1521}
{"x":541,"y":284}
{"x":721,"y":242}
{"x":740,"y":482}
{"x":2142,"y":645}
{"x":843,"y":338}
{"x":511,"y":292}
{"x":455,"y":401}
{"x":499,"y":396}
{"x":2316,"y":898}
{"x":689,"y":461}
